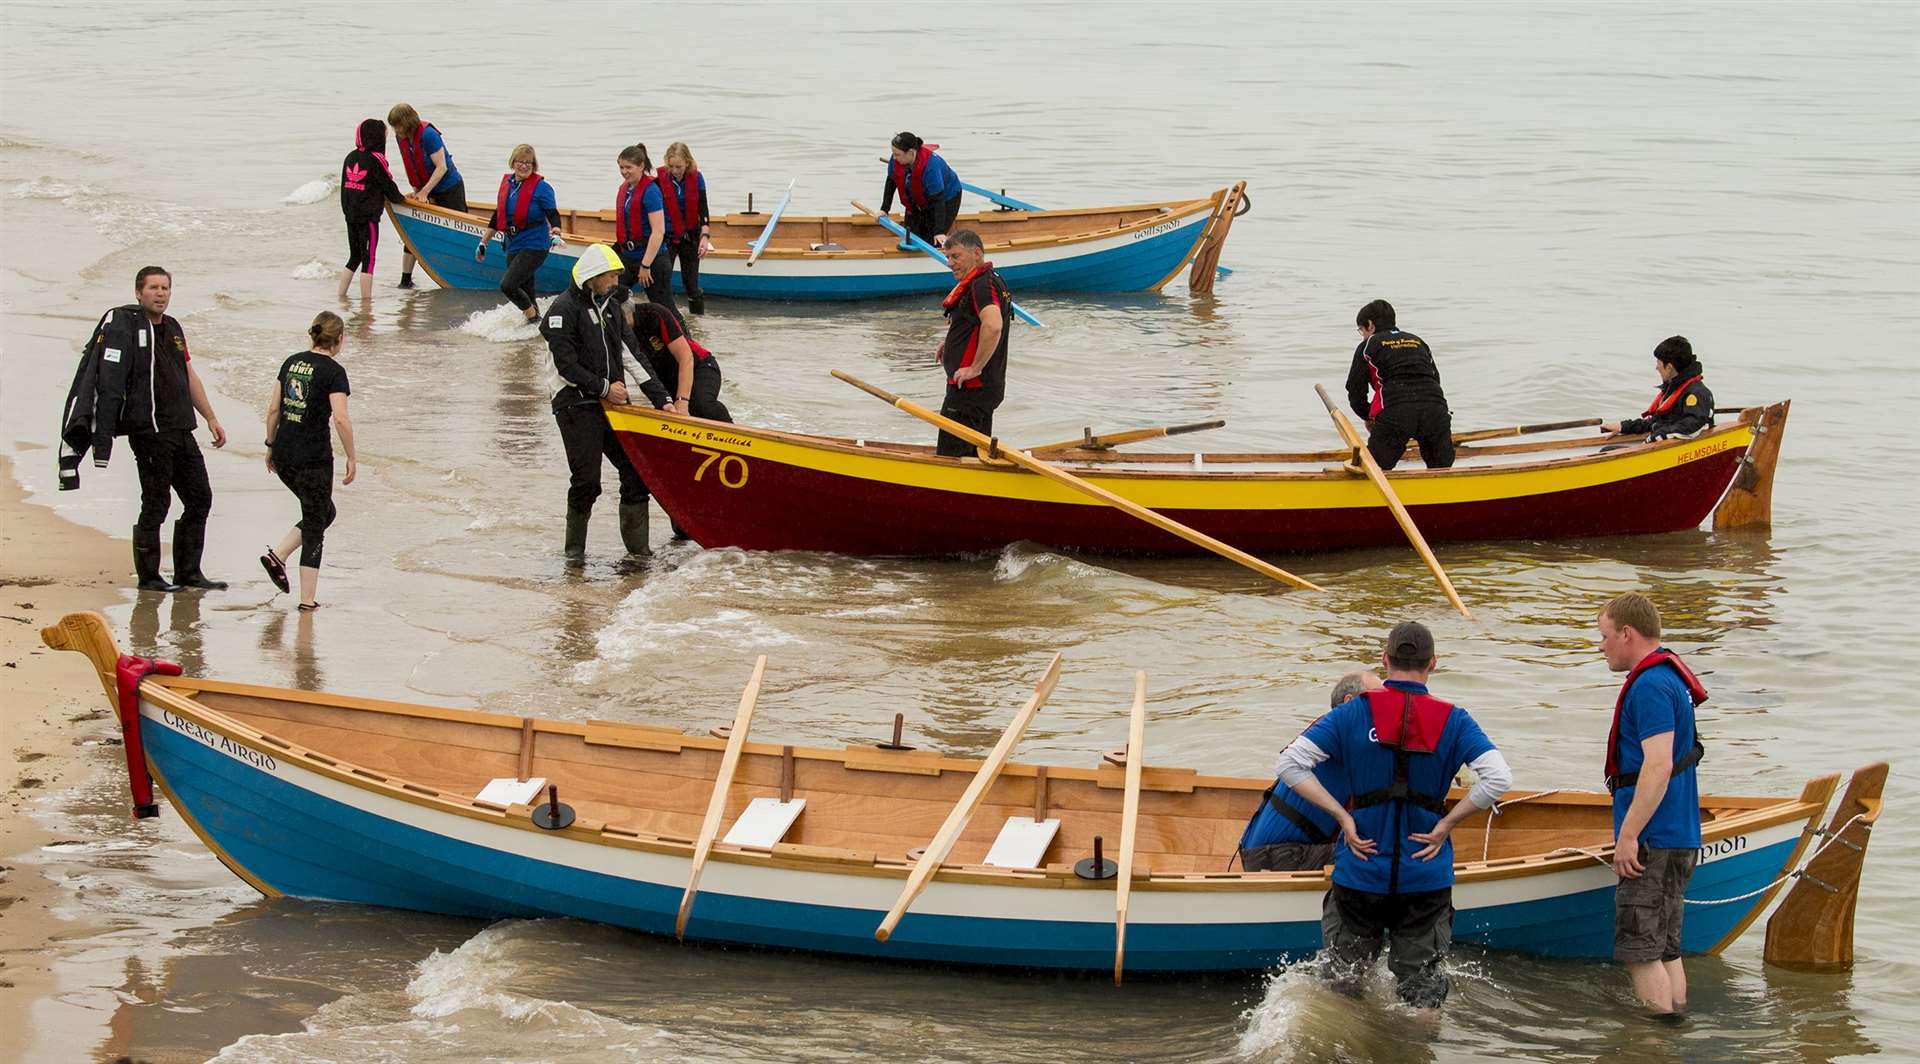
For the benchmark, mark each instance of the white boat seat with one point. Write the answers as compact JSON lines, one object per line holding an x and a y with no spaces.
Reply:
{"x":764,"y":822}
{"x":1022,"y":842}
{"x":510,"y":791}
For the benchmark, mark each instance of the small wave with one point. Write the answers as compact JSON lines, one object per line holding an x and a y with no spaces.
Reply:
{"x":503,"y":324}
{"x":46,"y":188}
{"x":314,"y":270}
{"x":1025,"y":561}
{"x":312,"y":192}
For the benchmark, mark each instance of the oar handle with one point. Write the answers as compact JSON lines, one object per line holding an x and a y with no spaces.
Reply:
{"x":1198,"y":426}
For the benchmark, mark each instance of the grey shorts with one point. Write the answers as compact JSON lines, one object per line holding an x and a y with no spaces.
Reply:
{"x":1287,"y":857}
{"x":1647,"y":911}
{"x":1415,"y":929}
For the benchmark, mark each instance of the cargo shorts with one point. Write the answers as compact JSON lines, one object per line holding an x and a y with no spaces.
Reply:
{"x":1416,"y":930}
{"x":1287,"y":857}
{"x":1647,"y":911}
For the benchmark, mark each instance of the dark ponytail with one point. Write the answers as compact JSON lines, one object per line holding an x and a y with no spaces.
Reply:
{"x":907,"y":141}
{"x":637,"y":155}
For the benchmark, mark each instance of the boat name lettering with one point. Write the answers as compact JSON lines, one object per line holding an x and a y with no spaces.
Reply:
{"x":1723,"y":847}
{"x":454,"y":223}
{"x":1163,"y":227}
{"x":219,"y":742}
{"x":1702,"y":452}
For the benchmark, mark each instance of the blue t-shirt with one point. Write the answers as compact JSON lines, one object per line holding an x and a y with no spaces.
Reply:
{"x":1346,"y":736}
{"x":1658,"y":702}
{"x":649,"y":202}
{"x":536,"y":236}
{"x":430,"y":142}
{"x":1268,"y":828}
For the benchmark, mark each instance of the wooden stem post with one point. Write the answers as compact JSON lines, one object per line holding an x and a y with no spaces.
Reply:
{"x":717,"y":803}
{"x":1129,"y":820}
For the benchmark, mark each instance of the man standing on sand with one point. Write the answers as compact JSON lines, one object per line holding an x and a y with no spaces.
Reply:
{"x":1652,"y":749}
{"x":148,"y":391}
{"x":974,"y":354}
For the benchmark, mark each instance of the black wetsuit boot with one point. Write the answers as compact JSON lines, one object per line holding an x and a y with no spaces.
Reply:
{"x":188,"y":544}
{"x":146,"y":562}
{"x":633,"y":527}
{"x":576,"y":547}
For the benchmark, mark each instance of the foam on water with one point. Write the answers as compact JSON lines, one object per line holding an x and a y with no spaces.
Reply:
{"x":503,"y":324}
{"x":312,"y":192}
{"x":314,"y":270}
{"x":46,"y":188}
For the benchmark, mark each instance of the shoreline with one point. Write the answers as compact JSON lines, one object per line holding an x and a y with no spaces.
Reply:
{"x":49,"y":566}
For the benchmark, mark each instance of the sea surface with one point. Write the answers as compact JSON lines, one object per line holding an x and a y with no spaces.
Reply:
{"x":1544,"y":191}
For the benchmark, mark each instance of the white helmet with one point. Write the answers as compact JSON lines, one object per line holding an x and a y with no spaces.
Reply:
{"x":594,"y":261}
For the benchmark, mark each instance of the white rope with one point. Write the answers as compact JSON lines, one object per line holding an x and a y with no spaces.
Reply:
{"x":1832,"y":838}
{"x":1486,"y":842}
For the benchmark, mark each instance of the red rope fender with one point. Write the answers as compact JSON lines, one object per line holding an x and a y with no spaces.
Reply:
{"x":128,"y":673}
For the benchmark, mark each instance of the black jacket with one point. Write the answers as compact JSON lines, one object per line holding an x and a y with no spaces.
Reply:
{"x":140,"y":378}
{"x":1690,"y":412}
{"x":586,"y":337}
{"x":77,"y":416}
{"x":1400,"y":366}
{"x":366,"y":186}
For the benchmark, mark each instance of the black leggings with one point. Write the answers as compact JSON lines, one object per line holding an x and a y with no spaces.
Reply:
{"x":170,"y":462}
{"x":312,"y":484}
{"x":588,"y":438}
{"x":687,"y":250}
{"x":363,"y":243}
{"x":517,"y":285}
{"x":660,"y":289}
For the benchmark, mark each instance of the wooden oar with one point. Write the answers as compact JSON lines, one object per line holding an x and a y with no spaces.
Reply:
{"x":717,"y":804}
{"x":932,"y":252}
{"x":1129,"y":820}
{"x":766,"y":234}
{"x":1525,"y":430}
{"x":1061,"y":476}
{"x":1106,"y":440}
{"x":962,"y":811}
{"x":1400,"y":514}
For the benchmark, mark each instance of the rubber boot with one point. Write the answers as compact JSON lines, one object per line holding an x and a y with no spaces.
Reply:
{"x":576,"y":548}
{"x":146,"y":562}
{"x":633,"y":527}
{"x":187,"y":547}
{"x":697,"y":304}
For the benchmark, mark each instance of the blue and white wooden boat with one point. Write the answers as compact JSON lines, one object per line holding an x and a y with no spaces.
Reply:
{"x":336,"y":798}
{"x":1137,"y":248}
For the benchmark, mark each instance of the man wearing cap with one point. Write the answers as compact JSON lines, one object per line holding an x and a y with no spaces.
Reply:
{"x":586,"y":329}
{"x":1287,"y":834}
{"x":1397,"y":750}
{"x":1652,"y":749}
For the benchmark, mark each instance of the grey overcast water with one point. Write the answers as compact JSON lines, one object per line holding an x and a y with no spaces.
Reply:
{"x":1544,"y":191}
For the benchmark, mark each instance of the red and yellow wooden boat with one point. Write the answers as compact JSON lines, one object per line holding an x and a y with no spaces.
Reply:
{"x":733,"y":485}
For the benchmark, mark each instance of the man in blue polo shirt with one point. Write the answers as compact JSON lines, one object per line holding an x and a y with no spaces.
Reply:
{"x":1286,"y":833}
{"x":1651,"y":753}
{"x":1398,"y":749}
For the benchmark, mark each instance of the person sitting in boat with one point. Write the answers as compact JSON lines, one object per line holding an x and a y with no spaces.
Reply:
{"x":685,"y":191}
{"x":1683,"y":407}
{"x":430,"y":169}
{"x":1394,"y":385}
{"x":1652,"y":750}
{"x":366,"y":187}
{"x":974,"y":354}
{"x":1397,"y":749}
{"x":640,"y":227}
{"x":1287,"y":834}
{"x":929,"y":189}
{"x":586,"y":330}
{"x":529,"y":215}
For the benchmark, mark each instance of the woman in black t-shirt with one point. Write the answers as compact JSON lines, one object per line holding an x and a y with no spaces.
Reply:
{"x":310,"y":391}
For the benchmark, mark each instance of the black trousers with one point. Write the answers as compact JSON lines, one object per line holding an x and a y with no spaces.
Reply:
{"x":453,"y":199}
{"x":312,"y":485}
{"x":170,"y":463}
{"x":1430,"y":424}
{"x":363,"y":244}
{"x":517,"y":285}
{"x":687,"y":250}
{"x":935,"y":220}
{"x":969,"y":408}
{"x":585,"y":434}
{"x":660,"y":288}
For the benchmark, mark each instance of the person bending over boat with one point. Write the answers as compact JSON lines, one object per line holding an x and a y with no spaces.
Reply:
{"x":688,"y":371}
{"x":1652,"y":751}
{"x":529,"y":216}
{"x":586,"y":329}
{"x":430,"y":169}
{"x":640,"y":227}
{"x":974,"y":354}
{"x":366,"y":187}
{"x":684,"y":191}
{"x":1397,"y":749}
{"x":929,"y":189}
{"x":1683,"y":407}
{"x":1395,"y":386}
{"x":310,"y":392}
{"x":1287,"y":833}
{"x":144,"y":388}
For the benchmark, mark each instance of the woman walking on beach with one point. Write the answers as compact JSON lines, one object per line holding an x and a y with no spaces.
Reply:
{"x":685,"y":193}
{"x":311,"y":391}
{"x":530,"y":217}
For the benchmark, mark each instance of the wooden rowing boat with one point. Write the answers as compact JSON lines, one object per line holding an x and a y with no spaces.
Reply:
{"x":1135,"y":248}
{"x":336,"y":798}
{"x":731,"y":485}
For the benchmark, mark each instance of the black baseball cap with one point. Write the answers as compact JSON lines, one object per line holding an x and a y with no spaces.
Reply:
{"x":1410,"y":642}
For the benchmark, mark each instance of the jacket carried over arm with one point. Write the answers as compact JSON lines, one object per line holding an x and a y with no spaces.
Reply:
{"x":78,"y":415}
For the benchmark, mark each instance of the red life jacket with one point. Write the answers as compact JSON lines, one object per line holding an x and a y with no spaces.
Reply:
{"x":683,"y":203}
{"x":513,"y":216}
{"x":419,"y":167}
{"x":630,"y":225}
{"x":973,"y":340}
{"x":1407,"y":724}
{"x":1664,"y":403}
{"x":916,"y":196}
{"x":1695,"y":691}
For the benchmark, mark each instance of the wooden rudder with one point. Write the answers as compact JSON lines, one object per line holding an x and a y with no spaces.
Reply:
{"x":1749,"y":501}
{"x":1813,"y":927}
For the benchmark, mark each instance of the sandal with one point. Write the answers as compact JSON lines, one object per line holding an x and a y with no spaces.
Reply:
{"x":309,"y":607}
{"x":276,"y":570}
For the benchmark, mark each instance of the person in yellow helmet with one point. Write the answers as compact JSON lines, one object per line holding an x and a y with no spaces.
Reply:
{"x":587,"y":332}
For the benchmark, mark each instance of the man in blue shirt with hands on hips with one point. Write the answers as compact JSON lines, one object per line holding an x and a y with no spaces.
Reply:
{"x":1398,"y":749}
{"x":1652,"y":749}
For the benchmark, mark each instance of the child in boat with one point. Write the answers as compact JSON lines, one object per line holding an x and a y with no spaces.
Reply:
{"x":684,"y":191}
{"x":1683,"y":407}
{"x":529,"y":216}
{"x":310,"y":391}
{"x":365,"y":188}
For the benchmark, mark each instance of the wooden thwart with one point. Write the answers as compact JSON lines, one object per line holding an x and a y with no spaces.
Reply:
{"x":1129,"y":820}
{"x":717,"y":804}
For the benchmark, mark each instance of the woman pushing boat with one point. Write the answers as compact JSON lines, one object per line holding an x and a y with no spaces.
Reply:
{"x":527,"y":213}
{"x":929,"y":189}
{"x":430,"y":169}
{"x":684,"y":190}
{"x":310,"y":391}
{"x":640,"y":227}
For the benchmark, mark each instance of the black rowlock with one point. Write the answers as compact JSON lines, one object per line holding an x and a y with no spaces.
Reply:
{"x":899,"y":721}
{"x":1097,"y":866}
{"x":553,"y":816}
